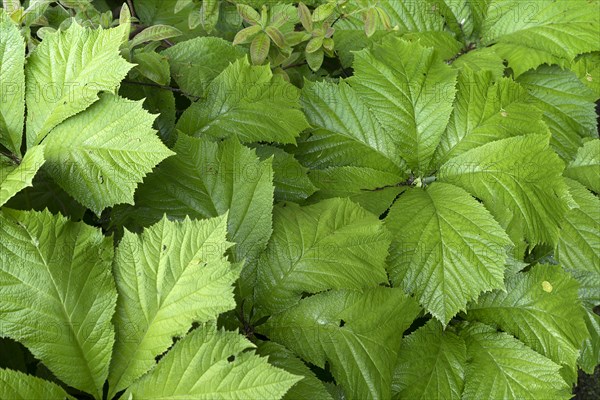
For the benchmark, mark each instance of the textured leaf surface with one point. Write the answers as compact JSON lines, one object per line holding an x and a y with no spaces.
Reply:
{"x":348,"y":134}
{"x":210,"y":364}
{"x":351,"y":331}
{"x":485,"y":111}
{"x":99,"y":156}
{"x":66,"y":72}
{"x":12,"y":76}
{"x":196,"y":62}
{"x":519,"y":180}
{"x":446,"y":248}
{"x":501,"y":367}
{"x":585,"y":168}
{"x":206,"y":179}
{"x":309,"y":387}
{"x":579,"y":243}
{"x":431,"y":365}
{"x":568,"y":105}
{"x":289,"y":176}
{"x":410,"y":91}
{"x":13,"y":178}
{"x":541,"y":308}
{"x":58,"y":294}
{"x":544,"y":31}
{"x":16,"y":385}
{"x":240,"y":103}
{"x":171,"y":275}
{"x":334,"y":244}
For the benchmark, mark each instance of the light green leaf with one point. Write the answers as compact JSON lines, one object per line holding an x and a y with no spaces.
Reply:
{"x":446,"y":248}
{"x":14,"y":178}
{"x":587,"y":68}
{"x":171,"y":275}
{"x":568,"y":105}
{"x":259,"y":48}
{"x":357,"y":333}
{"x":196,"y":62}
{"x":309,"y":387}
{"x":348,"y":132}
{"x":585,"y":168}
{"x":519,"y":180}
{"x":431,"y":365}
{"x":152,"y":66}
{"x":483,"y":59}
{"x":501,"y":367}
{"x":487,"y":109}
{"x":334,"y":244}
{"x":579,"y":243}
{"x":544,"y":31}
{"x":541,"y":308}
{"x":410,"y":92}
{"x":211,"y":364}
{"x":66,"y":72}
{"x":240,"y":103}
{"x":58,"y":294}
{"x":99,"y":156}
{"x":154,"y":33}
{"x":16,"y":385}
{"x":12,"y":76}
{"x":590,"y":353}
{"x":206,"y":179}
{"x":289,"y":176}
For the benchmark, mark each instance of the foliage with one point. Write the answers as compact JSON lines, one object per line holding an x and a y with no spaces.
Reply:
{"x":322,"y":199}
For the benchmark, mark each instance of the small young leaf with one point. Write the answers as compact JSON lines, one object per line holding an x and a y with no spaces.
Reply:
{"x":155,"y":33}
{"x":324,"y":11}
{"x":276,"y":36}
{"x":314,"y":44}
{"x":305,"y":17}
{"x":249,"y":14}
{"x":315,"y":59}
{"x":246,"y":34}
{"x":259,"y":48}
{"x":370,"y":19}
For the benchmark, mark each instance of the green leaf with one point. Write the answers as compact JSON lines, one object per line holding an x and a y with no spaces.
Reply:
{"x":19,"y":386}
{"x":587,"y":68}
{"x":410,"y":91}
{"x":171,"y":275}
{"x":483,"y":59}
{"x":309,"y":387}
{"x":501,"y":367}
{"x":289,"y":176}
{"x":259,"y":48}
{"x":541,"y":32}
{"x":196,"y":62}
{"x":66,"y":72}
{"x":578,"y":247}
{"x":315,"y":59}
{"x":12,"y":76}
{"x":58,"y":294}
{"x":370,"y":20}
{"x":347,"y":134}
{"x":519,"y":180}
{"x":585,"y":168}
{"x":153,"y":66}
{"x":431,"y":365}
{"x":568,"y":105}
{"x":334,"y":244}
{"x":352,"y":332}
{"x":446,"y":248}
{"x":324,"y":11}
{"x":154,"y":33}
{"x":487,"y":109}
{"x":240,"y":103}
{"x":206,"y":179}
{"x":211,"y":364}
{"x":14,"y":178}
{"x":246,"y":34}
{"x":99,"y":156}
{"x":590,"y":353}
{"x":248,"y":13}
{"x":540,"y":307}
{"x":276,"y":36}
